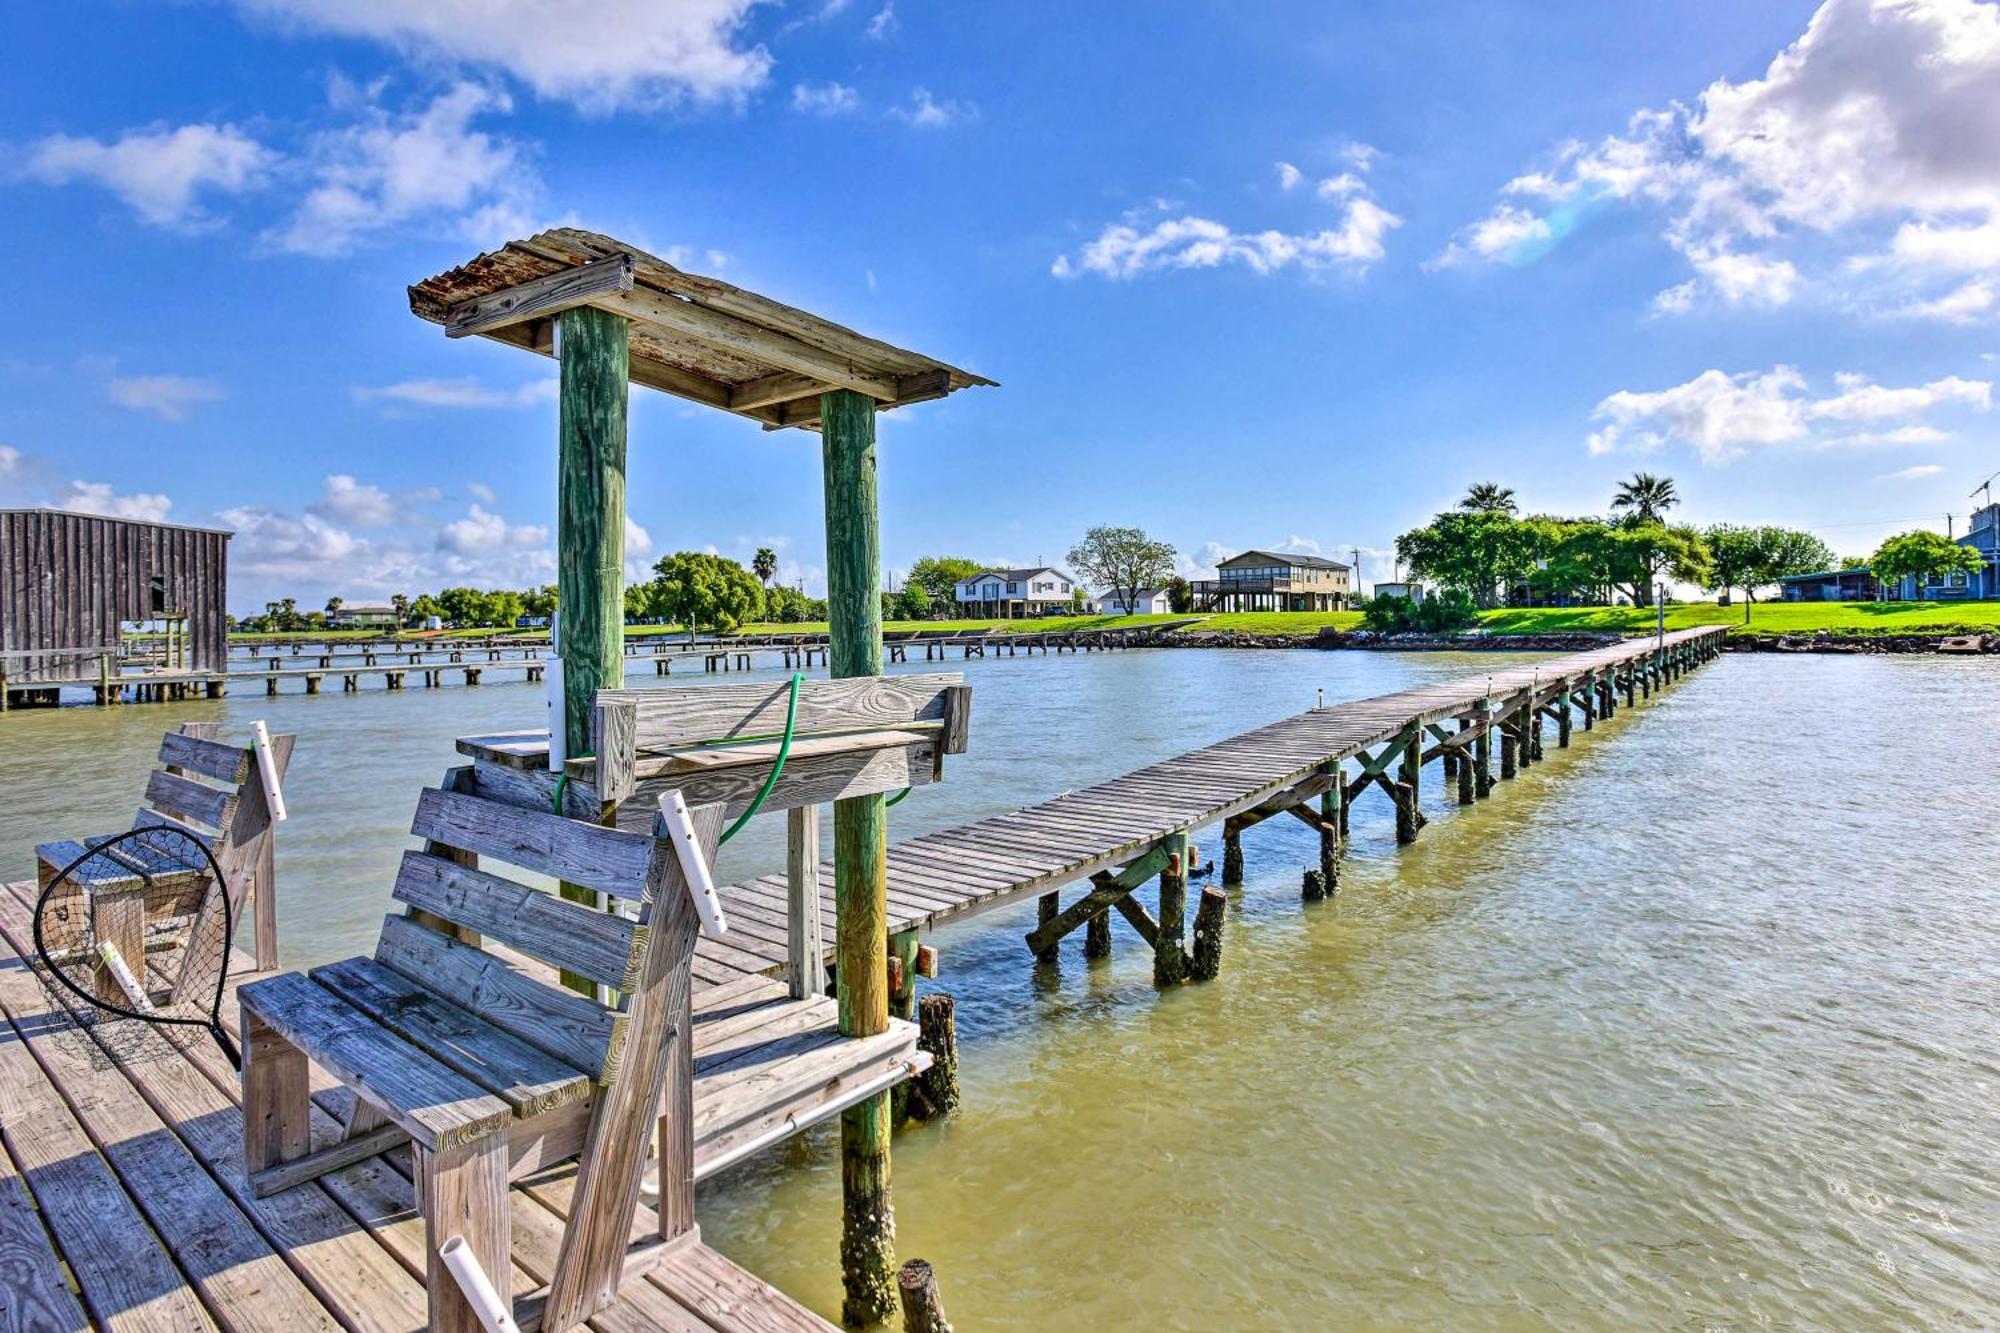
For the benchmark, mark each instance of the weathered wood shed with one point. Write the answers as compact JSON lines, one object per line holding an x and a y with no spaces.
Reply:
{"x":70,"y":583}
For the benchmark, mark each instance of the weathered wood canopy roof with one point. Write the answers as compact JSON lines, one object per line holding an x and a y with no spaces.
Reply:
{"x":699,"y":338}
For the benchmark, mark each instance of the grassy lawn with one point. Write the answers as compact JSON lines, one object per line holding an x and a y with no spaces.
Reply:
{"x":1765,"y":618}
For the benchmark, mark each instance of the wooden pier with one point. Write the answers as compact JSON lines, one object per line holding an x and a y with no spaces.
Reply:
{"x":124,"y":1203}
{"x":405,"y":665}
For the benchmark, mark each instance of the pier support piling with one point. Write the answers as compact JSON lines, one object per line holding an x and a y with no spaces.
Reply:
{"x":1206,"y":960}
{"x":1232,"y":852}
{"x":1047,"y":908}
{"x":1170,"y":945}
{"x":860,"y":839}
{"x":1097,"y":936}
{"x":923,"y":1307}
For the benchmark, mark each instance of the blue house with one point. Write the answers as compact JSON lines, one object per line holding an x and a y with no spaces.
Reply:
{"x":1960,"y":585}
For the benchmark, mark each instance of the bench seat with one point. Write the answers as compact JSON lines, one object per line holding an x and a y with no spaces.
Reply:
{"x":434,"y":1104}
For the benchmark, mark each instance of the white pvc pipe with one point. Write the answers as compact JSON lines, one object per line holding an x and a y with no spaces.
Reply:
{"x":558,"y":735}
{"x":267,"y":769}
{"x":493,"y":1314}
{"x":121,"y":972}
{"x":694,"y":866}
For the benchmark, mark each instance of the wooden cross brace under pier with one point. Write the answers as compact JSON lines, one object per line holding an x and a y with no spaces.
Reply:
{"x":1173,"y":962}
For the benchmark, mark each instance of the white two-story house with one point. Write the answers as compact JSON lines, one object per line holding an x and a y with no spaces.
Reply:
{"x":1013,"y":594}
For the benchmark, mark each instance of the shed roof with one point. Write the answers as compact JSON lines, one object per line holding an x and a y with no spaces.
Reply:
{"x":115,"y":518}
{"x":700,"y":338}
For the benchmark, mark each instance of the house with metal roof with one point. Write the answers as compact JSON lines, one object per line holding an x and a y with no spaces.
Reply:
{"x":1275,"y":581}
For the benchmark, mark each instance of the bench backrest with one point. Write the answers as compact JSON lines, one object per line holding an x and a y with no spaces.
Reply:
{"x":632,"y":1045}
{"x":629,"y":726}
{"x":458,"y":896}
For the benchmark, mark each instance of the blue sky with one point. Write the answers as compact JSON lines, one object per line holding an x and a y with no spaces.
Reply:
{"x":1275,"y":275}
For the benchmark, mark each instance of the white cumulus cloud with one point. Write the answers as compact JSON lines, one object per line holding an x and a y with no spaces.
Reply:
{"x":1151,"y":240}
{"x":457,"y":393}
{"x":96,"y":497}
{"x":824,"y":99}
{"x":925,"y":112}
{"x":605,"y":56}
{"x":1859,"y":127}
{"x":1722,"y":416}
{"x":428,"y":167}
{"x":168,"y":397}
{"x":160,"y":172}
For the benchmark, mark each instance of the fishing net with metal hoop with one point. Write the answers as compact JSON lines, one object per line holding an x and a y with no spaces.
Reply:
{"x":140,"y":927}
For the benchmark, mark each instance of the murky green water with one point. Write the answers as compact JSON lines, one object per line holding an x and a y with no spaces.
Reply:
{"x":1693,"y":1026}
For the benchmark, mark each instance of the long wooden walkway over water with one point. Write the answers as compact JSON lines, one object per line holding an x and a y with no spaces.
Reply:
{"x":123,"y":1200}
{"x":1121,"y":833}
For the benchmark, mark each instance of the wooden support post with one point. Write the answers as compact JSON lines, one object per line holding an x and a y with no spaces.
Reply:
{"x":1332,"y":826}
{"x":1562,"y":717}
{"x":464,"y":1194}
{"x":1047,"y":908}
{"x":860,"y":849}
{"x":805,"y":952}
{"x":902,"y":1004}
{"x":1206,"y":960}
{"x":1169,"y":947}
{"x":277,"y":1123}
{"x":1509,"y":764}
{"x":595,"y":355}
{"x":1465,"y":774}
{"x":1482,"y":749}
{"x":1232,"y":852}
{"x":1409,"y":787}
{"x":1097,"y":936}
{"x":923,"y":1308}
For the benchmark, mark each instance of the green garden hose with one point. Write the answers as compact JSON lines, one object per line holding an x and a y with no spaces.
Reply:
{"x":784,"y":748}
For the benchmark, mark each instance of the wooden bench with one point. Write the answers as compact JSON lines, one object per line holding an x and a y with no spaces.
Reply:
{"x":143,"y":891}
{"x":490,"y":1072}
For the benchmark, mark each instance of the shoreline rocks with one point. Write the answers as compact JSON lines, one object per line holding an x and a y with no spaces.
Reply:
{"x":1821,"y":641}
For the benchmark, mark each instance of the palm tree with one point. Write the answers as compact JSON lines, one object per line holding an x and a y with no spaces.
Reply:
{"x":1489,"y":497}
{"x":401,"y":603}
{"x":1646,"y":497}
{"x":764,"y":564}
{"x":333,"y":605}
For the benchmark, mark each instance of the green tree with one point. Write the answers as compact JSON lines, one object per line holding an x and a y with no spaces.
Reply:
{"x":1645,"y":552}
{"x":539,"y":601}
{"x":426,"y":606}
{"x":1488,"y":497}
{"x":913,"y":602}
{"x":1121,"y":561}
{"x":1646,"y":497}
{"x":1180,"y":595}
{"x":400,"y":603}
{"x":1753,"y":558}
{"x":703,"y":591}
{"x":1475,"y":551}
{"x":764,"y":565}
{"x":940,"y":576}
{"x":790,"y":606}
{"x":333,"y":605}
{"x":1921,"y":554}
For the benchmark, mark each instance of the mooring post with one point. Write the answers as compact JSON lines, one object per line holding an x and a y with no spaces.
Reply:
{"x":937,"y":1034}
{"x":594,"y":358}
{"x":923,"y":1307}
{"x":1170,"y":946}
{"x":860,"y":849}
{"x":1232,"y":852}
